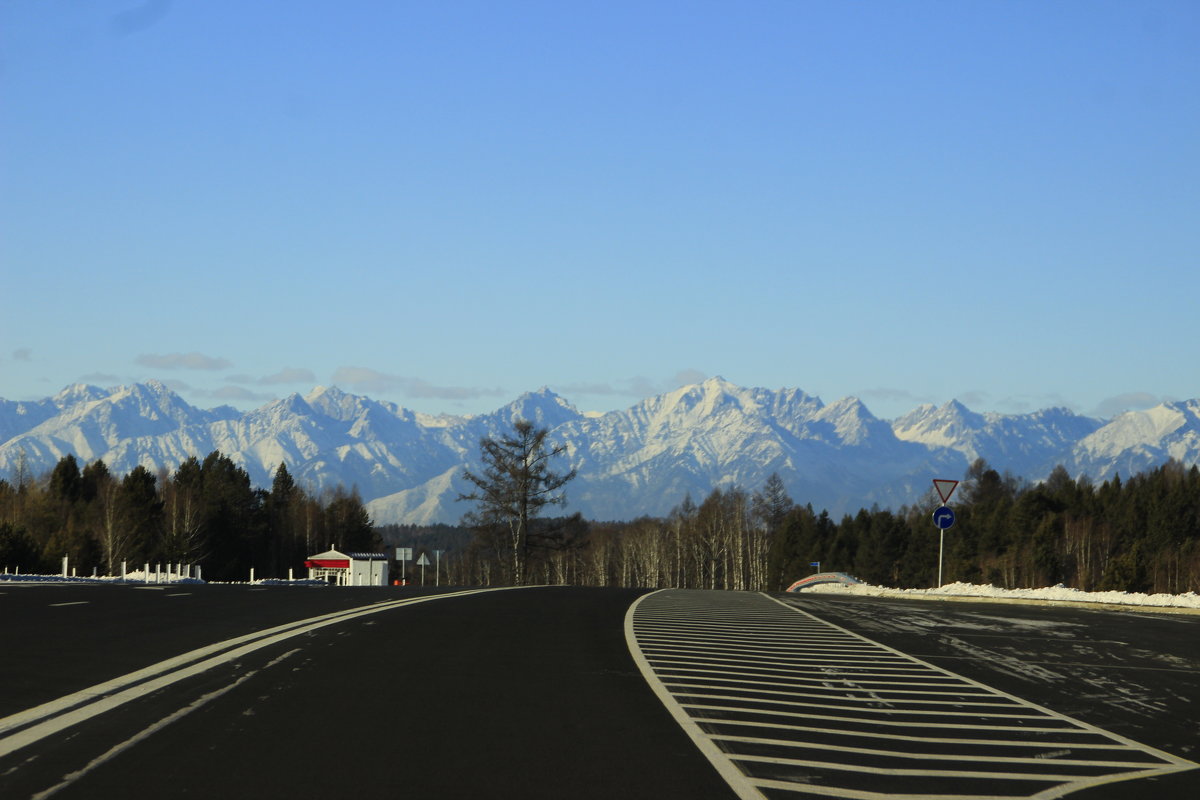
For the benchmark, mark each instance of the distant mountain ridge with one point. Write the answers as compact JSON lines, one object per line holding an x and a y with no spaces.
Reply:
{"x":640,"y":461}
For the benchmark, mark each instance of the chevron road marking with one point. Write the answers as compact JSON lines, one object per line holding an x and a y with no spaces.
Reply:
{"x":785,"y":704}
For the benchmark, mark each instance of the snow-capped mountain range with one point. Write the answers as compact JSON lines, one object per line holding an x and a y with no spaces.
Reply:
{"x":640,"y":461}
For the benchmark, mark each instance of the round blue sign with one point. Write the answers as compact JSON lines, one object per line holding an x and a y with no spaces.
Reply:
{"x":943,"y":518}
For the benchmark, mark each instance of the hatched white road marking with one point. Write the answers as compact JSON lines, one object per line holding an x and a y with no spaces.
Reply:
{"x":785,"y":704}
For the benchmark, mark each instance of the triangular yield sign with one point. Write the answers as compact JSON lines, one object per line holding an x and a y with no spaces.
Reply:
{"x":945,"y":488}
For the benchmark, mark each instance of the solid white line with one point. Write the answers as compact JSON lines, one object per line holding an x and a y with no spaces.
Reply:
{"x":741,"y":785}
{"x":782,"y":726}
{"x":1181,"y":763}
{"x":49,"y":718}
{"x":937,"y":773}
{"x":850,"y":706}
{"x":887,"y":723}
{"x":74,"y":603}
{"x":973,"y":759}
{"x":837,"y":691}
{"x":150,"y":730}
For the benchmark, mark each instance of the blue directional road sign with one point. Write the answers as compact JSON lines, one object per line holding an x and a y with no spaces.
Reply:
{"x":943,"y":518}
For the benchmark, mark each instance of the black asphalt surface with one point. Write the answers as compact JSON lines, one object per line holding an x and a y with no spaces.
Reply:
{"x":1133,"y":673}
{"x":523,"y":694}
{"x":527,"y":693}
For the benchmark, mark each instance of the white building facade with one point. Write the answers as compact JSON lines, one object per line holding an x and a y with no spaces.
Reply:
{"x":349,"y":569}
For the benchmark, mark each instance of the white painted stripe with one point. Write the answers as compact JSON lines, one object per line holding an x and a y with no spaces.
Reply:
{"x":74,"y":603}
{"x":736,"y":670}
{"x":742,"y":683}
{"x":741,"y":785}
{"x":1181,"y":762}
{"x":29,"y":726}
{"x":150,"y":730}
{"x":844,"y":685}
{"x":882,"y":723}
{"x":924,"y":772}
{"x":973,"y":759}
{"x":921,"y":712}
{"x":892,"y":737}
{"x":862,"y":794}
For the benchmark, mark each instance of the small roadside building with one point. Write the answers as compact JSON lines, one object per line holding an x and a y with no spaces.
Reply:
{"x":348,"y":569}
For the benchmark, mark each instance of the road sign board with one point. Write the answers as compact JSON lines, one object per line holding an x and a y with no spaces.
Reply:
{"x":423,"y":561}
{"x":943,"y":518}
{"x":404,"y":554}
{"x":944,"y":488}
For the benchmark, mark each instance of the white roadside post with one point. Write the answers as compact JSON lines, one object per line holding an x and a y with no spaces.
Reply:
{"x":437,"y":568}
{"x":64,"y":566}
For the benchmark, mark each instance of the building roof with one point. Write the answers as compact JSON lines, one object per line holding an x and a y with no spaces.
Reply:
{"x":331,"y":555}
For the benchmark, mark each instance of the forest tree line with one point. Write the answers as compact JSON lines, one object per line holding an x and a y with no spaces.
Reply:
{"x":1141,"y":534}
{"x":204,"y":513}
{"x":1137,"y":534}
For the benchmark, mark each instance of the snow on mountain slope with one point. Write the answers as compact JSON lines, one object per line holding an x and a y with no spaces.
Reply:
{"x":1024,"y":444}
{"x":641,"y":460}
{"x":1139,"y":440}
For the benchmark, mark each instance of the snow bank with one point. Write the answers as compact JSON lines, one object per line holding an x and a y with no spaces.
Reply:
{"x":1058,"y":593}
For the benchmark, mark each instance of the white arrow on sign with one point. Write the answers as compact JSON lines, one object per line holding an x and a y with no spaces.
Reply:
{"x":944,"y":488}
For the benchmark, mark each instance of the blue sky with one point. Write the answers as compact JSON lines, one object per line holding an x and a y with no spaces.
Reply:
{"x":447,"y":204}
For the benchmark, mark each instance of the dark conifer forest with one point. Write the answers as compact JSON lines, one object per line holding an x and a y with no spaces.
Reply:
{"x":1139,"y":533}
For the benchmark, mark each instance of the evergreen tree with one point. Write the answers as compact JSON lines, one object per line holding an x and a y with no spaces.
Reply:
{"x":515,"y":486}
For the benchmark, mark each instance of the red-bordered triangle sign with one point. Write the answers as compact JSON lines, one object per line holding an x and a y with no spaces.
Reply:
{"x":945,"y":488}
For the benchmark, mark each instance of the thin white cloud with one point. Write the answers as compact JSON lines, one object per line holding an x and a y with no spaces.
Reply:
{"x":288,"y":375}
{"x":371,"y":381}
{"x":687,"y":377}
{"x":197,"y":361}
{"x":237,"y":394}
{"x":638,"y":387}
{"x":888,"y":394}
{"x":1129,"y":401}
{"x":101,"y":379}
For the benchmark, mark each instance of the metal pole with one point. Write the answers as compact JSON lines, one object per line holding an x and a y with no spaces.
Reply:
{"x":941,"y":542}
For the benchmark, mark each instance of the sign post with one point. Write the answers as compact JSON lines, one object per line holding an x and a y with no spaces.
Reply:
{"x":437,"y":569}
{"x":403,"y":555}
{"x":423,"y":562}
{"x":943,"y":517}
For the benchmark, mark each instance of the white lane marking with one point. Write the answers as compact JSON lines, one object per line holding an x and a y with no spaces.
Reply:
{"x":26,"y":727}
{"x":150,"y":730}
{"x":733,"y":776}
{"x":727,"y":695}
{"x":72,"y":603}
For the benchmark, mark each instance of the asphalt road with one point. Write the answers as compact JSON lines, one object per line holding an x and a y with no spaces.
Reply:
{"x":526,"y":694}
{"x":518,"y":693}
{"x":1129,"y":672}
